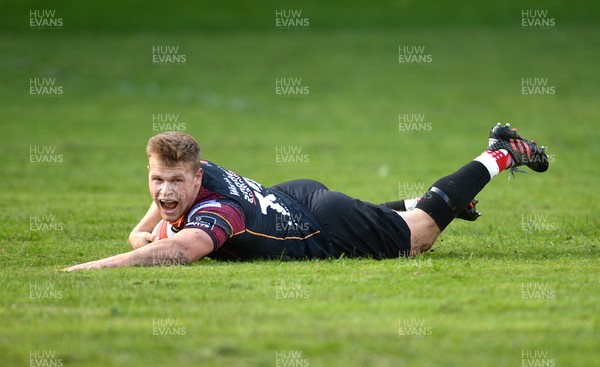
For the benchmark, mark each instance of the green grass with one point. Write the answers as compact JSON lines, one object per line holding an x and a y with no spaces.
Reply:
{"x":467,"y":292}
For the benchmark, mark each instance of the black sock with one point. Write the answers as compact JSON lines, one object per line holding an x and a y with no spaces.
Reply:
{"x":396,"y":205}
{"x":451,"y":194}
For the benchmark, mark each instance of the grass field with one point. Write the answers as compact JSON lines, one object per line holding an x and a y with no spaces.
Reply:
{"x":519,"y":287}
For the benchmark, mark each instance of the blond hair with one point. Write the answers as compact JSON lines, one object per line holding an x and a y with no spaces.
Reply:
{"x":175,"y":147}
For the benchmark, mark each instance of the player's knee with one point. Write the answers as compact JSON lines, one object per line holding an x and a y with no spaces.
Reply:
{"x":418,"y":247}
{"x":423,"y":231}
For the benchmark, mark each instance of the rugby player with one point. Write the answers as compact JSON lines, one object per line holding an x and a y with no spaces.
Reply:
{"x":215,"y":212}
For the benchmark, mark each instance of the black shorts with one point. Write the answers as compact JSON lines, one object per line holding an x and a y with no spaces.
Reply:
{"x":354,"y":227}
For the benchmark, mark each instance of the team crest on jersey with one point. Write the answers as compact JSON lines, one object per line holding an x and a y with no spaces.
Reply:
{"x":203,"y":221}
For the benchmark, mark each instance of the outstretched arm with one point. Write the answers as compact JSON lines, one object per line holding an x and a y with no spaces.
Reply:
{"x":141,"y":235}
{"x":185,"y":247}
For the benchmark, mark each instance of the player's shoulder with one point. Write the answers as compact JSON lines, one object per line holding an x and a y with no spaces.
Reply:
{"x":210,"y":165}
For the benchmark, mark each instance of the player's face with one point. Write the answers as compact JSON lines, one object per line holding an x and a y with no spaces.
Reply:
{"x":173,"y":188}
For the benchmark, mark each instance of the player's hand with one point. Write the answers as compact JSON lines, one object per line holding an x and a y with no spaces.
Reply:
{"x":140,"y":239}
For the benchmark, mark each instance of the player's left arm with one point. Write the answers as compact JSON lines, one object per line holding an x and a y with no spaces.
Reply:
{"x":185,"y":247}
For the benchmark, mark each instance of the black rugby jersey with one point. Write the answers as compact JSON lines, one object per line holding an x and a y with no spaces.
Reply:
{"x":277,"y":226}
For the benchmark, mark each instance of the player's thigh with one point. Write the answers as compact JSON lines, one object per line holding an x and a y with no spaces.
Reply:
{"x":358,"y":228}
